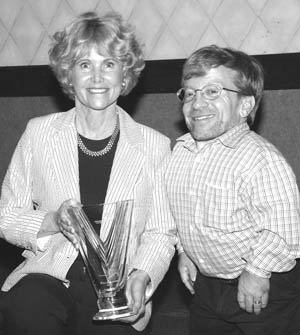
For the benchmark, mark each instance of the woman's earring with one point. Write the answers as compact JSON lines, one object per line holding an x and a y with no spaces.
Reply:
{"x":123,"y":83}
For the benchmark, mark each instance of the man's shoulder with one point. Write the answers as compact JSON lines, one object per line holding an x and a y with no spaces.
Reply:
{"x":260,"y":149}
{"x":261,"y":144}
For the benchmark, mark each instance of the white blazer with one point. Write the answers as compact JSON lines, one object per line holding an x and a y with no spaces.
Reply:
{"x":44,"y":172}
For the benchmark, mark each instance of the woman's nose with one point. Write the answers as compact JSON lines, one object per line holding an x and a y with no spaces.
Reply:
{"x":97,"y":74}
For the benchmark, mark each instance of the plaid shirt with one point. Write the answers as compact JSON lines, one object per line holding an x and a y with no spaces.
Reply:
{"x":236,"y":204}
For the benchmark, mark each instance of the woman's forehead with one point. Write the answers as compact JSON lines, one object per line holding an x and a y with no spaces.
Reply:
{"x":87,"y":48}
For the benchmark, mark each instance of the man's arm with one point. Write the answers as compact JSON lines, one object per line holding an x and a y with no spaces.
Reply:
{"x":274,"y":210}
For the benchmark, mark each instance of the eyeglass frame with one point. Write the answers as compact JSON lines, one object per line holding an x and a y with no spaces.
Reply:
{"x":220,"y":87}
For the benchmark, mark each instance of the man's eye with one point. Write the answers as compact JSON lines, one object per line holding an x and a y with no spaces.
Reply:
{"x":211,"y":91}
{"x":189,"y":93}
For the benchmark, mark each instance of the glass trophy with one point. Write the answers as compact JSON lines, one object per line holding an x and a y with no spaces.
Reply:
{"x":105,"y":254}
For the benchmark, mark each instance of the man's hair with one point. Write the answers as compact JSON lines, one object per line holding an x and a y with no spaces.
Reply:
{"x":249,"y":77}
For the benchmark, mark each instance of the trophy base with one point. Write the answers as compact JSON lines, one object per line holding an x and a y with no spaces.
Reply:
{"x":113,"y":313}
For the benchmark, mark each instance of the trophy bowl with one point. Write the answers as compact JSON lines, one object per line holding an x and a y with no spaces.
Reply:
{"x":103,"y":232}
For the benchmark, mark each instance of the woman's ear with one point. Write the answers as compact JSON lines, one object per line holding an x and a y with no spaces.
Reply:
{"x":247,"y":105}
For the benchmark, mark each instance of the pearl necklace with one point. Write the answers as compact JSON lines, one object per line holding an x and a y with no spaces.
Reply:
{"x":105,"y":150}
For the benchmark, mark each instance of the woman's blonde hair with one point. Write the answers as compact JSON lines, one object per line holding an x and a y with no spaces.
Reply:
{"x":109,"y":34}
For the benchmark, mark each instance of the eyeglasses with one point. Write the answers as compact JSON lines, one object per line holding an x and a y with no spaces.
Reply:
{"x":208,"y":92}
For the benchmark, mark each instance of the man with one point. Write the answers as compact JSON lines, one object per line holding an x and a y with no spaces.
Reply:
{"x":236,"y":204}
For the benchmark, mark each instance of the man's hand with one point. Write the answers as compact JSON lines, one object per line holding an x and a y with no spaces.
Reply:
{"x":136,"y":294}
{"x":187,"y":271}
{"x":253,"y":292}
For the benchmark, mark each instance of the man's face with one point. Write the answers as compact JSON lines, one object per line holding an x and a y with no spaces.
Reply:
{"x":208,"y":119}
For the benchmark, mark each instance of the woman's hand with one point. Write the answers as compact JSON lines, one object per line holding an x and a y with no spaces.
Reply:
{"x":136,"y":294}
{"x":64,"y":221}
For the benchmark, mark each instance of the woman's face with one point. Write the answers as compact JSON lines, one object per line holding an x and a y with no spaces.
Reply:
{"x":97,"y":81}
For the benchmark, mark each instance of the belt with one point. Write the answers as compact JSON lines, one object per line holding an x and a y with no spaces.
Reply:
{"x":233,"y":281}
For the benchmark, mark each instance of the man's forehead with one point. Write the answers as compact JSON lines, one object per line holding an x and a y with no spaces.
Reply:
{"x":216,"y":74}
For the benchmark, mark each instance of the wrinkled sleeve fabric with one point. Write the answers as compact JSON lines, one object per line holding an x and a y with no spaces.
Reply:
{"x":159,"y":238}
{"x":19,"y":220}
{"x":274,"y":208}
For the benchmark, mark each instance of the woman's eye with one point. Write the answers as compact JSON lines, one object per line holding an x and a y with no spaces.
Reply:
{"x":110,"y":64}
{"x":84,"y":65}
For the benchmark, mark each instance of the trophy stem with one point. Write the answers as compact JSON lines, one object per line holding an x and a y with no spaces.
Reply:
{"x":112,"y":305}
{"x":113,"y":313}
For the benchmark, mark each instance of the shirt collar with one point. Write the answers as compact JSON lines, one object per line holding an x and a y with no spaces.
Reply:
{"x":230,"y":139}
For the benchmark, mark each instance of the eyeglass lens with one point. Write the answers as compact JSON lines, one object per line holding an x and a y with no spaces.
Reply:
{"x":209,"y":92}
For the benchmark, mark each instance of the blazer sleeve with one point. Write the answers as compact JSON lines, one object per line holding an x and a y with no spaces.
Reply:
{"x":19,"y":221}
{"x":158,"y":240}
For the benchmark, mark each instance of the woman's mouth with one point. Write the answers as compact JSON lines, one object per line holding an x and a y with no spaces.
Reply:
{"x":97,"y":90}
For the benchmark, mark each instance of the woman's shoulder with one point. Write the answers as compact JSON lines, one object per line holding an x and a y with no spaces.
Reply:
{"x":135,"y":130}
{"x":52,"y":118}
{"x":41,"y":119}
{"x":153,"y":133}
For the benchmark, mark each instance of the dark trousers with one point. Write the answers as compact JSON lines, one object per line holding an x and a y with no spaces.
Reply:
{"x":41,"y":305}
{"x":215,"y":311}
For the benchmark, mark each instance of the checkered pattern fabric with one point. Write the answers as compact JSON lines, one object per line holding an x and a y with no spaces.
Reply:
{"x":236,"y":204}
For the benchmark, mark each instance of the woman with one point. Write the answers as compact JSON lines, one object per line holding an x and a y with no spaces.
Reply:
{"x":93,"y":153}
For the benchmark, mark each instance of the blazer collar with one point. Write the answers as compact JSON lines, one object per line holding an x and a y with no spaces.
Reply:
{"x":128,"y":127}
{"x":130,"y":132}
{"x":65,"y":120}
{"x":128,"y":161}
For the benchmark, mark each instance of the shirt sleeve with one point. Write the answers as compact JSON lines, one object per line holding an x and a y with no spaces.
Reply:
{"x":274,"y":210}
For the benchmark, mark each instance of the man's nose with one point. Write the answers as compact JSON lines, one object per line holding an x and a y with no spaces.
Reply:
{"x":198,"y":100}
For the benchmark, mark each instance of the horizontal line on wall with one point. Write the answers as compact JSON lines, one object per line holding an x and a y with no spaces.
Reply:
{"x":282,"y":71}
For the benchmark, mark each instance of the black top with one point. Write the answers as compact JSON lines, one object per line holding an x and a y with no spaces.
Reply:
{"x":94,"y":174}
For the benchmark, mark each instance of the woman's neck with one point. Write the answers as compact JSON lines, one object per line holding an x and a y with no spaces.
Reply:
{"x":96,"y":124}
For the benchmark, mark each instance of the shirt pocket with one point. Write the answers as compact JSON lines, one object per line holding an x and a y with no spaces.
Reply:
{"x":216,"y":207}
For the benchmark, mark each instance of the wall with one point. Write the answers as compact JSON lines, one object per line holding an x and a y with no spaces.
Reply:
{"x":171,"y":29}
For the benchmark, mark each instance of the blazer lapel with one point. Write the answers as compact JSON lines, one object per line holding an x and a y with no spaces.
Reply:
{"x":128,"y":161}
{"x":65,"y":156}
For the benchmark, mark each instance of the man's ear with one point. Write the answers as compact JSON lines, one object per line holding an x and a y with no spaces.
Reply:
{"x":247,"y":104}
